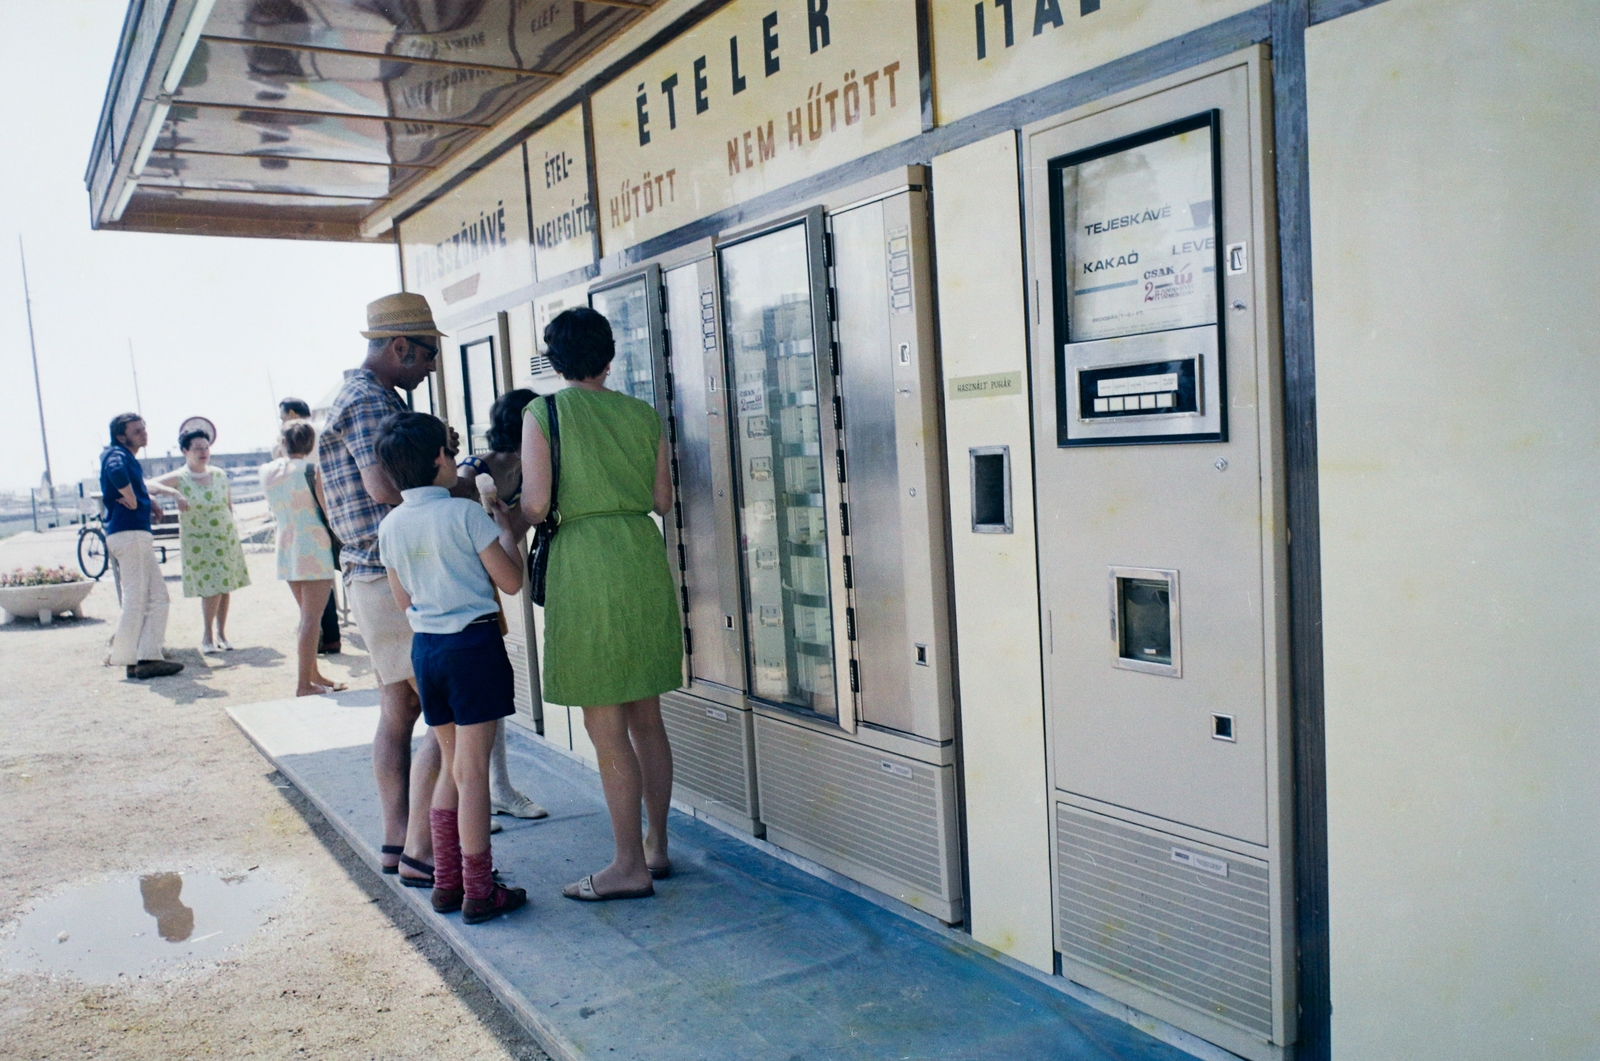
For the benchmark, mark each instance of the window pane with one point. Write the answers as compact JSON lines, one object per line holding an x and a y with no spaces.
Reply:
{"x":477,"y":365}
{"x":1139,"y":232}
{"x":633,"y":371}
{"x":778,"y":446}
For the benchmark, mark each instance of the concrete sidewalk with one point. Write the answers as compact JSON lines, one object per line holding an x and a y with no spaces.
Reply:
{"x":740,"y":955}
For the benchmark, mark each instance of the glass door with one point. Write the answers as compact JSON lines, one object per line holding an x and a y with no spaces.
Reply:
{"x":481,"y":386}
{"x":779,"y":393}
{"x":632,"y":307}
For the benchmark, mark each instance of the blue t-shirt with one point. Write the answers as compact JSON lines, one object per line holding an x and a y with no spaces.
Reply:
{"x":119,"y":468}
{"x":431,"y":542}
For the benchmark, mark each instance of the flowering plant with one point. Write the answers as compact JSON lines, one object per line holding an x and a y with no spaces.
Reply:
{"x":39,"y":576}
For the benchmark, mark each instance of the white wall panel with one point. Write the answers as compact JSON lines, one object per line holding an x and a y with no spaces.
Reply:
{"x":1456,"y":236}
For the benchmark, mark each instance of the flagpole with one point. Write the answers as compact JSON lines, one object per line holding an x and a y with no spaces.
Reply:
{"x":38,"y":393}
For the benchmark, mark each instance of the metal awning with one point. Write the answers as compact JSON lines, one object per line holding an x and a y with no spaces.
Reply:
{"x":298,"y":118}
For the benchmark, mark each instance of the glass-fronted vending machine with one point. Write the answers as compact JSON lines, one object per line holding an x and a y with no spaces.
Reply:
{"x":832,"y":375}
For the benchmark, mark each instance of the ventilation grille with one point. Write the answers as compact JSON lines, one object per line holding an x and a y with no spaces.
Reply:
{"x":874,"y":809}
{"x":710,"y":755}
{"x":1158,"y":911}
{"x":522,"y":686}
{"x":539,"y":365}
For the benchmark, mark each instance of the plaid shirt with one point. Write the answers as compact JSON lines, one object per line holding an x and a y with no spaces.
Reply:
{"x":347,"y":446}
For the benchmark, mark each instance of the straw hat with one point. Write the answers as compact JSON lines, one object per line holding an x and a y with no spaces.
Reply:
{"x":399,"y":315}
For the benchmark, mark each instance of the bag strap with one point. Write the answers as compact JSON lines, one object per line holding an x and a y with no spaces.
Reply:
{"x":555,"y":456}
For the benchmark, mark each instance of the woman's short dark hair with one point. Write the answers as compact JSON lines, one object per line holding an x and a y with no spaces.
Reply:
{"x":120,"y":424}
{"x":295,"y":406}
{"x":505,"y":420}
{"x":579,"y":343}
{"x":408,"y":448}
{"x":186,"y":439}
{"x":298,"y":438}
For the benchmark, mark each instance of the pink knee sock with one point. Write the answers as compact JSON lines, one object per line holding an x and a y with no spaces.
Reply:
{"x":446,"y":849}
{"x":477,"y":872}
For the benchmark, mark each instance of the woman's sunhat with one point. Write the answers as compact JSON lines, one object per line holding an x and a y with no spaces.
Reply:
{"x":396,"y":316}
{"x":201,"y":424}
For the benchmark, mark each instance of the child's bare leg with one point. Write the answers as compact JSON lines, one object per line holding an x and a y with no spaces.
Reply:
{"x":470,"y":766}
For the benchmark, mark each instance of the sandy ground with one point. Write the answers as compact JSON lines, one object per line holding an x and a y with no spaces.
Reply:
{"x":102,"y":777}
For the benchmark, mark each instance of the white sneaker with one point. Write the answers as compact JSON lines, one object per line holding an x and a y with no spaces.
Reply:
{"x":518,"y":806}
{"x":208,"y":649}
{"x":222,"y":643}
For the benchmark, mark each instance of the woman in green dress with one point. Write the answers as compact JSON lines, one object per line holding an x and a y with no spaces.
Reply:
{"x":213,"y":559}
{"x":612,"y":634}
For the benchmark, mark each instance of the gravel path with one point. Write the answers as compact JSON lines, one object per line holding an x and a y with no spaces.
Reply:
{"x":102,"y":777}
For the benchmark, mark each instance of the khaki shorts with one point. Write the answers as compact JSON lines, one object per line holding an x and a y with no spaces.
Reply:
{"x":383,"y":627}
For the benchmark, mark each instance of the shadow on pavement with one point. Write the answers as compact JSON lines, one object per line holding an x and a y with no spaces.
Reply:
{"x":460,"y":978}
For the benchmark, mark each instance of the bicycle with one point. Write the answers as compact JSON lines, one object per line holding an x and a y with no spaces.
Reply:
{"x":93,"y":557}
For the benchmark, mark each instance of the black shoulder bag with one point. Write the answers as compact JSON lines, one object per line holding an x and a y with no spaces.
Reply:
{"x":545,"y":532}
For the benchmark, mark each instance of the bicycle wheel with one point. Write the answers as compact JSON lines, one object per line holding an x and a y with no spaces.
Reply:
{"x":92,"y":556}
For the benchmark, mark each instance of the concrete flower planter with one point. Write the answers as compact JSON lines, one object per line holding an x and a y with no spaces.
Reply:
{"x":46,"y":602}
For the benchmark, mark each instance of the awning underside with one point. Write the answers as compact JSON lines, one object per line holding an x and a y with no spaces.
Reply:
{"x":300,"y":117}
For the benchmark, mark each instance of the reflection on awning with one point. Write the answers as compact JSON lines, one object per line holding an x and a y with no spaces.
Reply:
{"x":299,"y":117}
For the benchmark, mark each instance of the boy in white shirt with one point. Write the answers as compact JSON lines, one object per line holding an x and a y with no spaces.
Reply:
{"x":445,"y":556}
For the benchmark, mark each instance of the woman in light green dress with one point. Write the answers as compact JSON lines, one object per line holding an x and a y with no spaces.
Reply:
{"x":213,"y":559}
{"x":613,"y":638}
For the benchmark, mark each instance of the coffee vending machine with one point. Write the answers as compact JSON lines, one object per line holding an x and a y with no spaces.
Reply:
{"x":1162,"y":552}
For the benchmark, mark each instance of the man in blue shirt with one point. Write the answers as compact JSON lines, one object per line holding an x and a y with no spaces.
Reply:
{"x":143,"y":627}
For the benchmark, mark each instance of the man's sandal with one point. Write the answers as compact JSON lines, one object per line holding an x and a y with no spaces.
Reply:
{"x":583,"y":891}
{"x":420,"y":867}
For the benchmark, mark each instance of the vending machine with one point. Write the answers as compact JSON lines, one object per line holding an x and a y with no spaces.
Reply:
{"x":831,"y":382}
{"x":1162,"y":552}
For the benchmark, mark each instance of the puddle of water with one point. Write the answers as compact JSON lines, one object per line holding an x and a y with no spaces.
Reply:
{"x":141,"y":926}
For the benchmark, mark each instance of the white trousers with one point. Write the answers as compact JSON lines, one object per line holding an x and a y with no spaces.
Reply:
{"x":142,"y":629}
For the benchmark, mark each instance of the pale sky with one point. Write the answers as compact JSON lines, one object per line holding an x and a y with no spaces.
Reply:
{"x":221,"y":328}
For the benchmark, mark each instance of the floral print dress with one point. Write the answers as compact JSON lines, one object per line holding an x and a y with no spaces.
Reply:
{"x":213,"y":559}
{"x":305,"y":551}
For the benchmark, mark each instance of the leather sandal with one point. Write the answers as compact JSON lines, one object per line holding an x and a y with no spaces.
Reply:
{"x":583,"y":891}
{"x":420,"y":867}
{"x":448,"y":900}
{"x":500,"y":901}
{"x":391,"y":849}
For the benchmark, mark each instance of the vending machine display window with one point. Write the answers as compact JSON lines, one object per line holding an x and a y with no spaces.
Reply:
{"x":1137,"y":283}
{"x":627,"y":307}
{"x":777,"y":445}
{"x":481,"y":388}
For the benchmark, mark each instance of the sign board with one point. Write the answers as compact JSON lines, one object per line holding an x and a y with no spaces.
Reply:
{"x":472,"y":244}
{"x":987,"y":53}
{"x":755,"y":97}
{"x":558,"y":190}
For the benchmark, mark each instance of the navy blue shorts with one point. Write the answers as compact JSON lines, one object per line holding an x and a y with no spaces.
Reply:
{"x":463,"y":678}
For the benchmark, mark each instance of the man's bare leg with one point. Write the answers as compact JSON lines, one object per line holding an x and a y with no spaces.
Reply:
{"x":405,"y":782}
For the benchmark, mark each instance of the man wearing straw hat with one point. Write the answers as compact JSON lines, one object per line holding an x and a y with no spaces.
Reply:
{"x":402,"y":349}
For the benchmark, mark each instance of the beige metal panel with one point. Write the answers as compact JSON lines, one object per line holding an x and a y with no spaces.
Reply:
{"x":1139,"y":745}
{"x":1166,"y":507}
{"x":472,"y":244}
{"x":805,"y":101}
{"x":1027,"y":46}
{"x":982,"y":333}
{"x":1455,"y":245}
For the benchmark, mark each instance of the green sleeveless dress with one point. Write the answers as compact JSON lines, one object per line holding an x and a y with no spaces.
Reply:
{"x":612,"y":629}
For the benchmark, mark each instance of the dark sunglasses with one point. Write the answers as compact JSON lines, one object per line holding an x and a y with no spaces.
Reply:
{"x":431,"y":351}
